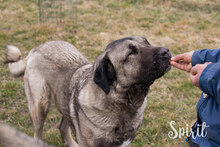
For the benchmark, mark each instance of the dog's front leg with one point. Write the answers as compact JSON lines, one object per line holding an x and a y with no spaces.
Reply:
{"x":65,"y":132}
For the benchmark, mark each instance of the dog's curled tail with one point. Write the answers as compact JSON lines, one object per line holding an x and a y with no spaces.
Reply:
{"x":15,"y":63}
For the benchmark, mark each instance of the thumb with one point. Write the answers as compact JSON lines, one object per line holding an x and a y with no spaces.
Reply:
{"x":208,"y":63}
{"x":177,"y":57}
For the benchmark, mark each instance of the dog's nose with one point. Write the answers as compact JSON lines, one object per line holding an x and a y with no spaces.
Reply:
{"x":164,"y":52}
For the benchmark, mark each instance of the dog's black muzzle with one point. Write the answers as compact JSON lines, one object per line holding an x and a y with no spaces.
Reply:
{"x":164,"y":53}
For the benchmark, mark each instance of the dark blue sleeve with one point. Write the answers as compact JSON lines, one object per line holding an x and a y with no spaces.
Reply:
{"x":205,"y":55}
{"x":209,"y":81}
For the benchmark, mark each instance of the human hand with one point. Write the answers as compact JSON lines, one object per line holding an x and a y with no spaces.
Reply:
{"x":182,"y":61}
{"x":196,"y":72}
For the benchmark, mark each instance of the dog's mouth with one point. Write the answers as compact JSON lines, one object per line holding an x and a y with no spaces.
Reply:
{"x":162,"y":65}
{"x":169,"y":65}
{"x":168,"y":68}
{"x":166,"y":59}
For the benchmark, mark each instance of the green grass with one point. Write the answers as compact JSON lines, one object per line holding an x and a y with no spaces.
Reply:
{"x":180,"y":25}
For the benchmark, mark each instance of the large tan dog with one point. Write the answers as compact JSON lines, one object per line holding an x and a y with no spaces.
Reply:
{"x":103,"y":103}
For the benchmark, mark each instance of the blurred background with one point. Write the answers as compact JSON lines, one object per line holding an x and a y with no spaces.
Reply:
{"x":180,"y":25}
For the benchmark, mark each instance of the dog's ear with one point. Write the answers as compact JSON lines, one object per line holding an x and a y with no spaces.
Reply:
{"x":147,"y":41}
{"x":104,"y":73}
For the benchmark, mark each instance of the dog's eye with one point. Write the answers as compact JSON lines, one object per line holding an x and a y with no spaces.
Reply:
{"x":133,"y":50}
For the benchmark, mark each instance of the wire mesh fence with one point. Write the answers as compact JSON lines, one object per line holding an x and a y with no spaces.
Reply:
{"x":60,"y":12}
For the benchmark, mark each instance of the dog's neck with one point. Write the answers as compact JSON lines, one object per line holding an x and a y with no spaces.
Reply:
{"x":132,"y":96}
{"x":136,"y":94}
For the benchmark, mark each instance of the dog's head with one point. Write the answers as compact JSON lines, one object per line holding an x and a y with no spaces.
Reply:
{"x":130,"y":61}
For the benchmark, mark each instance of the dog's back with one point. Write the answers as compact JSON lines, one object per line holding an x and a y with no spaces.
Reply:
{"x":63,"y":54}
{"x":59,"y":53}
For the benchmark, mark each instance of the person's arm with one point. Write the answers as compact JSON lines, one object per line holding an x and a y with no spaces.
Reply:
{"x":205,"y":55}
{"x":209,"y":81}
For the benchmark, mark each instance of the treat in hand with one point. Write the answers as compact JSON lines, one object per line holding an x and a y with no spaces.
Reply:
{"x":182,"y":61}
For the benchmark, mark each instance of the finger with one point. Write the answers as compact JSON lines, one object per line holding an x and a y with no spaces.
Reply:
{"x":177,"y":57}
{"x":175,"y":64}
{"x":208,"y":63}
{"x":189,"y":67}
{"x":192,"y":78}
{"x":194,"y":70}
{"x":181,"y":66}
{"x":194,"y":81}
